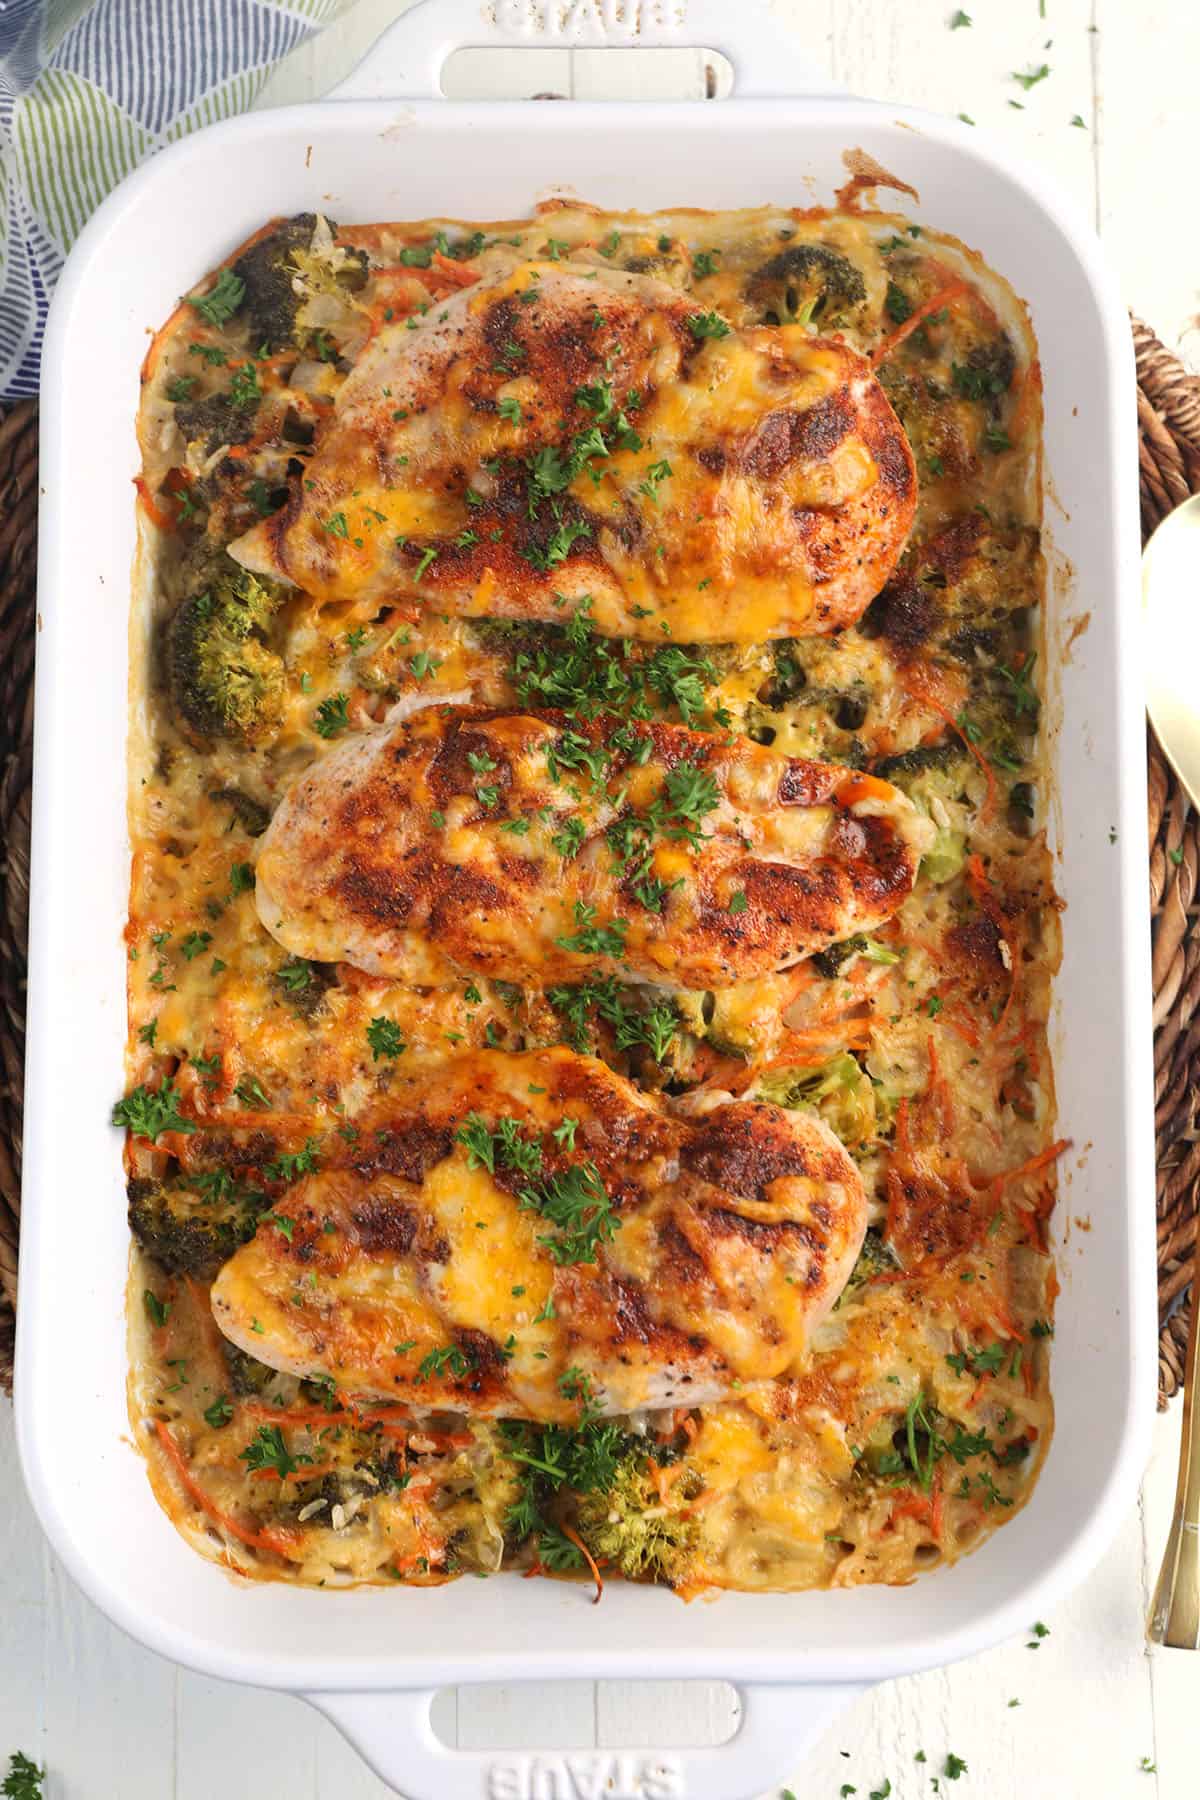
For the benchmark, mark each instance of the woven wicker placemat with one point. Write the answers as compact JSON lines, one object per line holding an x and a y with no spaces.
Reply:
{"x":1169,"y":420}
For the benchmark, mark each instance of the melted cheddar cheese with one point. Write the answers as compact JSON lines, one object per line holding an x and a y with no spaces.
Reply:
{"x":915,"y":1419}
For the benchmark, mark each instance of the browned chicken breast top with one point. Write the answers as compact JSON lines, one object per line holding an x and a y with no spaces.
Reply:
{"x":557,"y":431}
{"x":528,"y":848}
{"x":529,"y":1236}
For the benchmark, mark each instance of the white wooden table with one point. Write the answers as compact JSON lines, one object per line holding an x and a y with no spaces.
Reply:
{"x":116,"y":1723}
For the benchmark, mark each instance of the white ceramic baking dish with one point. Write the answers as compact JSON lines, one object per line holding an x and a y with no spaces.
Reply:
{"x":372,"y":1659}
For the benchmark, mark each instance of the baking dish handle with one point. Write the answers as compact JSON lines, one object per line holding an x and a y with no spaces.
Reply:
{"x":407,"y":61}
{"x":395,"y":1735}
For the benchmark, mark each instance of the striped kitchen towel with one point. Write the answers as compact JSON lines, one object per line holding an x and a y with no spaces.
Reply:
{"x":88,"y":89}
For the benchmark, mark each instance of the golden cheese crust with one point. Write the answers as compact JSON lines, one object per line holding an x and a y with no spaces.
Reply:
{"x":523,"y":848}
{"x":624,"y":1255}
{"x":916,"y":1412}
{"x":549,"y":432}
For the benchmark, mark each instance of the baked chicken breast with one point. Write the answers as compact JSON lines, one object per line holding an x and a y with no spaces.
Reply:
{"x":557,"y":431}
{"x":529,"y":1236}
{"x":526,"y":848}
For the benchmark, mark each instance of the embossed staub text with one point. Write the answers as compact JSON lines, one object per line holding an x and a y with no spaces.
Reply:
{"x":590,"y":1775}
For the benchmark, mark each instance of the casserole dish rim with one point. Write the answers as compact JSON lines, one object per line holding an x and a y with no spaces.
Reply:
{"x":50,"y":967}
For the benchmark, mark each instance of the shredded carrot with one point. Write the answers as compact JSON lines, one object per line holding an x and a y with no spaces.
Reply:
{"x":569,"y":1531}
{"x":150,"y":506}
{"x":862,"y":787}
{"x":282,"y":1541}
{"x":455,"y":273}
{"x":159,"y":340}
{"x":894,"y":339}
{"x":1040,"y":1161}
{"x":704,"y":1498}
{"x":1031,"y":386}
{"x":294,"y":1415}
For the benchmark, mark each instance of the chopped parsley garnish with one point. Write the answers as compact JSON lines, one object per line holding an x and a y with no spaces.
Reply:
{"x":219,"y":1413}
{"x":1031,"y":77}
{"x":195,"y":944}
{"x":897,"y":304}
{"x":559,"y":545}
{"x":568,"y":840}
{"x":978,"y":1362}
{"x":180,"y":388}
{"x":385,"y":1039}
{"x":290,"y":1167}
{"x":332,"y":716}
{"x":222,"y":299}
{"x":451,"y":1359}
{"x":704,"y":263}
{"x":510,"y":409}
{"x":656,"y":474}
{"x":24,"y":1779}
{"x":591,"y":939}
{"x":422,"y":664}
{"x":210,"y":353}
{"x":336,"y":525}
{"x":241,"y":878}
{"x":976,"y":384}
{"x":574,"y":1200}
{"x":267,"y":1450}
{"x":737,"y":902}
{"x":244,"y":390}
{"x":708,"y":325}
{"x":157,"y":1311}
{"x":148,"y":1112}
{"x":603,"y":997}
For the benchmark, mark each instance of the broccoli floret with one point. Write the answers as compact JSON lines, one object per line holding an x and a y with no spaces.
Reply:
{"x":271,"y":271}
{"x":987,"y":372}
{"x":192,"y":1231}
{"x":874,"y":1258}
{"x":251,"y":814}
{"x":222,"y":675}
{"x":839,"y":1091}
{"x":626,"y":1526}
{"x":214,"y":421}
{"x":807,"y":283}
{"x":948,"y":756}
{"x":247,"y":1376}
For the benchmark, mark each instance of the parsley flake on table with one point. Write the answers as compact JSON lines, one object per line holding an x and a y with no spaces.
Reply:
{"x":24,"y":1779}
